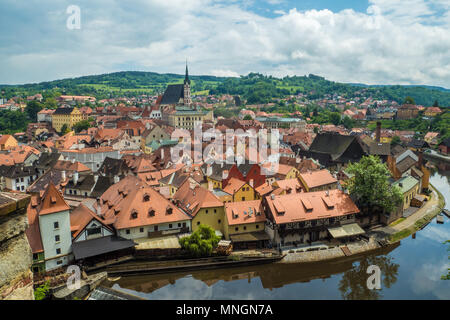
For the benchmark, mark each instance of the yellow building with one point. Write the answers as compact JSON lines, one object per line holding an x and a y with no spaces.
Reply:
{"x":187,"y":118}
{"x":409,"y":187}
{"x":66,"y":116}
{"x":286,"y":172}
{"x":240,"y":190}
{"x":204,"y":207}
{"x":7,"y":141}
{"x":244,"y":224}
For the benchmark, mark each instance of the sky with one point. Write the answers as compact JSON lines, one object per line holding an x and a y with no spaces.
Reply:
{"x":355,"y":41}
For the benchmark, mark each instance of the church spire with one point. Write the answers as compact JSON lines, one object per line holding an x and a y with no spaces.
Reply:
{"x":186,"y":77}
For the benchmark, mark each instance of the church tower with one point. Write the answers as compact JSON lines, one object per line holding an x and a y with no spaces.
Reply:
{"x":187,"y":89}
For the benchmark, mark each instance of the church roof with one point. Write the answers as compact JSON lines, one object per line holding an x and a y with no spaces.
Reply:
{"x":173,"y":94}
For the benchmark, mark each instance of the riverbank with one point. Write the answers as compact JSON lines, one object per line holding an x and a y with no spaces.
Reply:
{"x":417,"y":220}
{"x":378,"y":237}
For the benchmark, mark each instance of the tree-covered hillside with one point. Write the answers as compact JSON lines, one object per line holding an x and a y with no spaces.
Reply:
{"x":254,"y":87}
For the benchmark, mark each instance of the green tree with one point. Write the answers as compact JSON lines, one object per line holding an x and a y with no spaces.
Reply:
{"x":82,"y":125}
{"x":436,"y":104}
{"x":32,"y":108}
{"x":248,"y":117}
{"x":370,"y":187}
{"x":348,"y":122}
{"x":50,"y":103}
{"x":64,"y":129}
{"x":41,"y":292}
{"x":335,"y":118}
{"x":409,"y":100}
{"x":201,"y":242}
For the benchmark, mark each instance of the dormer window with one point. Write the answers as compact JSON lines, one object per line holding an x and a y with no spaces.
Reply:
{"x":134,"y":215}
{"x":151,"y":213}
{"x":169,"y":210}
{"x":146,"y":198}
{"x":53,"y":199}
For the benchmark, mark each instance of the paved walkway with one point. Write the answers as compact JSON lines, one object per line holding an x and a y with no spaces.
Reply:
{"x":429,"y":207}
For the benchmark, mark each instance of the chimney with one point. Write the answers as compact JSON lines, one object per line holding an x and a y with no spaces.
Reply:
{"x":98,"y":211}
{"x":73,"y":160}
{"x":209,"y":171}
{"x":420,"y":161}
{"x":116,"y":179}
{"x":378,"y":132}
{"x":251,"y":183}
{"x":210,"y":186}
{"x":297,"y":160}
{"x":75,"y":177}
{"x":272,"y":196}
{"x":95,"y":178}
{"x":63,"y":175}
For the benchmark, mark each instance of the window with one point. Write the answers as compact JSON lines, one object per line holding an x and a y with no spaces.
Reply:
{"x":236,"y":229}
{"x":56,"y":224}
{"x":141,"y":230}
{"x":219,"y":221}
{"x":245,"y":227}
{"x":170,"y":226}
{"x":179,"y":225}
{"x":58,"y":251}
{"x":146,"y":198}
{"x":127,"y":231}
{"x":59,"y":262}
{"x":57,"y":238}
{"x":134,"y":215}
{"x":35,"y":256}
{"x":198,"y":223}
{"x":151,"y":213}
{"x":257,"y":226}
{"x":206,"y":211}
{"x":215,"y":210}
{"x":243,"y":198}
{"x":92,"y":231}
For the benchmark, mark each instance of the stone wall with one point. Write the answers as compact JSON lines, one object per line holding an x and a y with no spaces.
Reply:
{"x":16,"y":278}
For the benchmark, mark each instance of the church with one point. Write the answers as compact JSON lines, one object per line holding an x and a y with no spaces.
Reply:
{"x":178,"y":109}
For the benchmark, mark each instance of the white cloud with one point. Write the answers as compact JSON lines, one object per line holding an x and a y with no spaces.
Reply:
{"x":396,"y":41}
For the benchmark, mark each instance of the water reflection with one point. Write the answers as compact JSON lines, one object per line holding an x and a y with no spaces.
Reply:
{"x":270,"y":276}
{"x":353,"y":285}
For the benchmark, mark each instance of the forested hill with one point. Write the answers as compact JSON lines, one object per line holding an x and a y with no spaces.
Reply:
{"x":254,"y":87}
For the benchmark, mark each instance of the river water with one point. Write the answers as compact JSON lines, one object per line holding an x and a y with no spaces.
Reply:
{"x":410,"y":270}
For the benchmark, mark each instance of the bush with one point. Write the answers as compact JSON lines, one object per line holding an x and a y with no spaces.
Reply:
{"x":41,"y":292}
{"x":200,"y":243}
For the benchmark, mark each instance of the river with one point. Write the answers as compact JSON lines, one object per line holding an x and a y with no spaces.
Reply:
{"x":410,"y":270}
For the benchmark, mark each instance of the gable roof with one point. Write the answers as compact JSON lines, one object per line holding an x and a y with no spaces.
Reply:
{"x":173,"y":94}
{"x":128,"y":197}
{"x":80,"y":218}
{"x":52,"y":201}
{"x":330,"y":143}
{"x":317,"y":178}
{"x":191,"y":198}
{"x":233,"y":185}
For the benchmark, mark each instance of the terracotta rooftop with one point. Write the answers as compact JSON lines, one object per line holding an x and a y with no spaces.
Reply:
{"x":133,"y":203}
{"x":317,"y":178}
{"x":298,"y":207}
{"x":244,"y":212}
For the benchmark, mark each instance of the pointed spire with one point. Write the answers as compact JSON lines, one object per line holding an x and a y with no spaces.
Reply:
{"x":186,"y":77}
